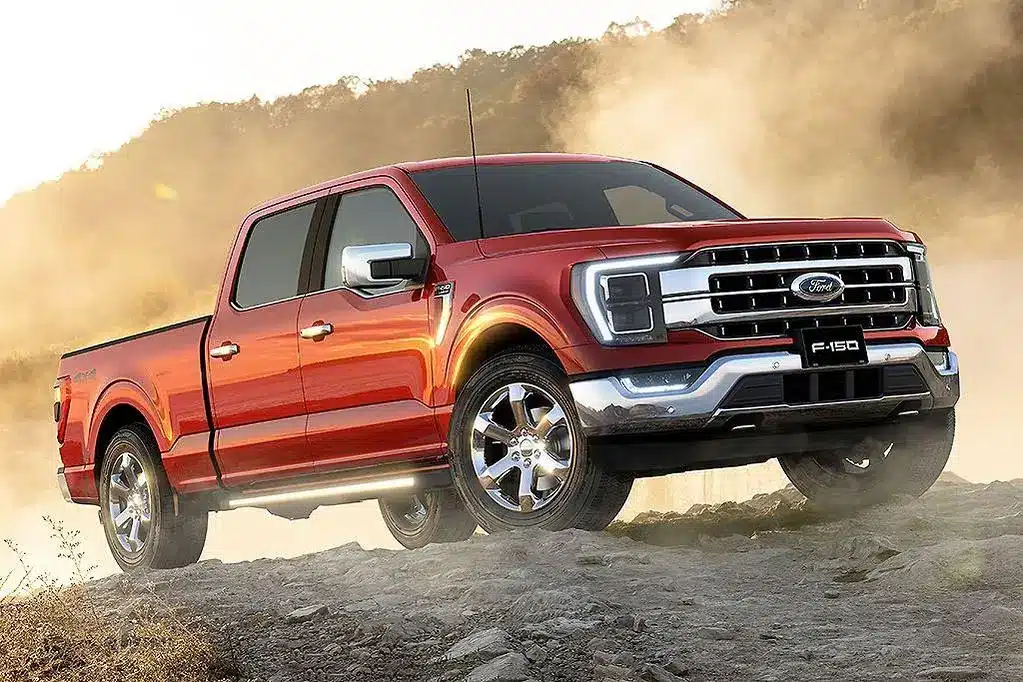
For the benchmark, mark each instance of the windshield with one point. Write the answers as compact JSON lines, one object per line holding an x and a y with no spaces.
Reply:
{"x":535,"y":197}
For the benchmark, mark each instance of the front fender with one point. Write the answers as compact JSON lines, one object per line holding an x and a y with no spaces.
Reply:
{"x":505,"y":310}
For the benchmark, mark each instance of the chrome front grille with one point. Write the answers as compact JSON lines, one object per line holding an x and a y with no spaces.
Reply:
{"x":771,"y":291}
{"x":746,"y":292}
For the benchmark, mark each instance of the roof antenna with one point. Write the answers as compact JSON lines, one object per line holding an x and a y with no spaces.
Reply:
{"x":475,"y":166}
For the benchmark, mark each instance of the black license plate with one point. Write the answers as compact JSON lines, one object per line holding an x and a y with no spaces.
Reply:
{"x":830,"y":346}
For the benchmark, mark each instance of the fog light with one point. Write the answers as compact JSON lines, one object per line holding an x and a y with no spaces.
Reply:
{"x":939,"y":359}
{"x":667,"y":381}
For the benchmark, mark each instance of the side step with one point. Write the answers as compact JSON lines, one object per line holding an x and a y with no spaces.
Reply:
{"x":298,"y":500}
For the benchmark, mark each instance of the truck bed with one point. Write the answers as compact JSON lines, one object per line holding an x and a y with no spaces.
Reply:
{"x":161,"y":375}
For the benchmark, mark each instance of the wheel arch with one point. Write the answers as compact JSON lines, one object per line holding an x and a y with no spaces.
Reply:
{"x":122,"y":403}
{"x":491,"y":328}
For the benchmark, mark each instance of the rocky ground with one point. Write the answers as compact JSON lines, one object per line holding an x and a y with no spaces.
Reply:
{"x":762,"y":590}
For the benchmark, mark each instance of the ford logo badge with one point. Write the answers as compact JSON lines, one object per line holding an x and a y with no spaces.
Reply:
{"x":819,"y":287}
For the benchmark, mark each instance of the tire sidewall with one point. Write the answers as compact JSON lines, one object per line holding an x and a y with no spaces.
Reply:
{"x":530,"y":368}
{"x":129,"y":440}
{"x":918,"y":457}
{"x":423,"y":535}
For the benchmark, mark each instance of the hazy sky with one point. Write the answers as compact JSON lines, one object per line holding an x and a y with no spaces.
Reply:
{"x":78,"y":78}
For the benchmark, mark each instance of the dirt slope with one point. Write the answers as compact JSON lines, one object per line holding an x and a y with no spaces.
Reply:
{"x":763,"y":590}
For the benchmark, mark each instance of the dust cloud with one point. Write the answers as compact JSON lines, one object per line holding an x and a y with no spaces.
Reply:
{"x":799,"y":108}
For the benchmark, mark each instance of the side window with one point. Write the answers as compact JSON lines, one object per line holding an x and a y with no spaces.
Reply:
{"x":634,"y":205}
{"x":369,"y":216}
{"x":272,"y":259}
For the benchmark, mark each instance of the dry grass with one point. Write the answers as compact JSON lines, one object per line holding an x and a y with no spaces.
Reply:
{"x":57,"y":632}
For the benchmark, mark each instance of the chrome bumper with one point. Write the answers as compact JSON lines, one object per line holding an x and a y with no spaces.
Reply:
{"x":606,"y":406}
{"x":62,"y":484}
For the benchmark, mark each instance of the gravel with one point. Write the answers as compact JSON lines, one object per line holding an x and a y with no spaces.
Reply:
{"x":929,"y":589}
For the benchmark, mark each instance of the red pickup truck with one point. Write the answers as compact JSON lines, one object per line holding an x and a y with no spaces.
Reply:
{"x":510,"y":345}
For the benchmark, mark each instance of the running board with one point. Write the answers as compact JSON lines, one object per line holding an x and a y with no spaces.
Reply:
{"x":300,"y":500}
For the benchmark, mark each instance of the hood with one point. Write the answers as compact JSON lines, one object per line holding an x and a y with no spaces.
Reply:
{"x":631,"y":241}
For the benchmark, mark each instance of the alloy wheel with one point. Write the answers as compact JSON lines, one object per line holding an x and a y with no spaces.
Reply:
{"x":522,"y":447}
{"x":131,"y":503}
{"x":408,"y":513}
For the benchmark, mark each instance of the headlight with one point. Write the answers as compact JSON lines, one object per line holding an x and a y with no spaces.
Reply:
{"x":621,"y":299}
{"x":929,"y":313}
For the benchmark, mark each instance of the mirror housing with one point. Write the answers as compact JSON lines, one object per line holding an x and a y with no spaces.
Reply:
{"x":380,"y":265}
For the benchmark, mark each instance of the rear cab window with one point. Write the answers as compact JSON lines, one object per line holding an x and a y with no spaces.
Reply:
{"x":271,"y":262}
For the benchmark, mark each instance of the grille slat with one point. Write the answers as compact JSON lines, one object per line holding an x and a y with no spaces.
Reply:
{"x":746,"y":330}
{"x":780,"y":253}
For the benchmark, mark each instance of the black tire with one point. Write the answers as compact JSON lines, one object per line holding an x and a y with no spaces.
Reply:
{"x":425,"y":518}
{"x":589,"y":498}
{"x":918,"y":454}
{"x":172,"y":539}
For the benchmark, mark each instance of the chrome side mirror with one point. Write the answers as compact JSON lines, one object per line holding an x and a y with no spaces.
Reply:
{"x":380,"y":265}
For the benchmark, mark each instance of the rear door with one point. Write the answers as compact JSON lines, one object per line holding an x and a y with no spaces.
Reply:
{"x":254,"y":376}
{"x":367,"y":382}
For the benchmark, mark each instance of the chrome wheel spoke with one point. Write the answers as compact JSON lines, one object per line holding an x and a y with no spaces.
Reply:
{"x":527,"y":500}
{"x":123,"y":517}
{"x":486,"y":425}
{"x":517,"y":400}
{"x":133,"y":535}
{"x":552,"y":418}
{"x":491,"y":477}
{"x":549,"y":466}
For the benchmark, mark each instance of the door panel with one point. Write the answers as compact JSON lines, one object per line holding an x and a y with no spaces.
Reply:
{"x":367,"y":384}
{"x":377,"y":352}
{"x":261,"y":451}
{"x":373,"y":369}
{"x":252,"y":354}
{"x":257,"y":392}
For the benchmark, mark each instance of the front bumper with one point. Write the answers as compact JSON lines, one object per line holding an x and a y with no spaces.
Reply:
{"x":607,"y":407}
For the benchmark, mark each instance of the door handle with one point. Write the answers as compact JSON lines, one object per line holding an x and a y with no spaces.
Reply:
{"x":224,"y":351}
{"x":317,"y":331}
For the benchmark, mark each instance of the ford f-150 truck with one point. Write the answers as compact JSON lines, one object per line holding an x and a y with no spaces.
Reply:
{"x":510,"y":344}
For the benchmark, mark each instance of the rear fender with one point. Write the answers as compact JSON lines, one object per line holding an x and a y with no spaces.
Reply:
{"x":124,"y":392}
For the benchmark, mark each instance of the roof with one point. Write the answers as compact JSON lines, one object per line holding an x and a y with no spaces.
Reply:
{"x":500,"y":160}
{"x":434,"y":164}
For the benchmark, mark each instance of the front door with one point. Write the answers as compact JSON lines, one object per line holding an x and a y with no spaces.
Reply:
{"x":252,"y":351}
{"x":367,"y":381}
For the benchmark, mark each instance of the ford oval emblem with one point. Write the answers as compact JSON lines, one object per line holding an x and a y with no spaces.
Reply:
{"x":819,"y":287}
